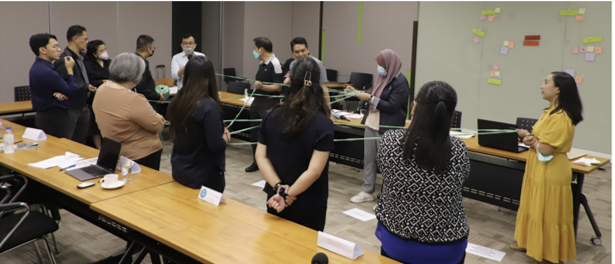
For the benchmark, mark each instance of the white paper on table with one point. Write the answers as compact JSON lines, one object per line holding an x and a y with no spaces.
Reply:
{"x":573,"y":155}
{"x":354,"y":116}
{"x":134,"y":167}
{"x":249,"y":99}
{"x":34,"y":134}
{"x":260,"y":183}
{"x":69,"y":159}
{"x":485,"y":252}
{"x":340,"y":246}
{"x":48,"y":163}
{"x":360,"y":214}
{"x":587,"y":162}
{"x":460,"y":134}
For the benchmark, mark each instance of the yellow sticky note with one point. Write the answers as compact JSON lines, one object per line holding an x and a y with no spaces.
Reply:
{"x":497,"y":73}
{"x":598,"y":50}
{"x":590,"y":48}
{"x":505,"y":43}
{"x":494,"y":81}
{"x":492,"y":74}
{"x":511,"y":44}
{"x":497,"y":10}
{"x":568,"y":13}
{"x":592,"y":39}
{"x":478,"y":32}
{"x":581,"y":11}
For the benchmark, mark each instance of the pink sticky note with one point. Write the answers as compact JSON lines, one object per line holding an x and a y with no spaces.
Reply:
{"x":492,"y":74}
{"x":583,"y":49}
{"x":476,"y":40}
{"x":482,"y":17}
{"x":496,"y":17}
{"x":598,"y":50}
{"x":590,"y":56}
{"x":579,"y":18}
{"x":575,"y":50}
{"x":495,"y":67}
{"x":490,"y":18}
{"x":511,"y":44}
{"x":578,"y":79}
{"x":504,"y":50}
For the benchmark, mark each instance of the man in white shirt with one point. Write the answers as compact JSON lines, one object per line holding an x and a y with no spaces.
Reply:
{"x":180,"y":59}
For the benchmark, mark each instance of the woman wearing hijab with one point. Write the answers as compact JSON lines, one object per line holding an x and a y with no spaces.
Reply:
{"x":387,"y":107}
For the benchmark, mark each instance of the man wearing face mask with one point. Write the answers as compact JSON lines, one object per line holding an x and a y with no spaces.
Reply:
{"x":178,"y":63}
{"x":147,"y":85}
{"x":78,"y":112}
{"x":269,"y":71}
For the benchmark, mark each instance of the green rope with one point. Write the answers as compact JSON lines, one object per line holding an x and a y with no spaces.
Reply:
{"x":241,"y":130}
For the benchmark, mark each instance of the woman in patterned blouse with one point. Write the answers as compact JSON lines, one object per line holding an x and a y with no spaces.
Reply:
{"x":420,"y":215}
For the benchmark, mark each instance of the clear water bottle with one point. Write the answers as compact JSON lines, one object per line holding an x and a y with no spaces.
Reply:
{"x":9,"y":141}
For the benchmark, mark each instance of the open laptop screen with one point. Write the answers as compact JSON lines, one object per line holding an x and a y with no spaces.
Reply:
{"x":109,"y":154}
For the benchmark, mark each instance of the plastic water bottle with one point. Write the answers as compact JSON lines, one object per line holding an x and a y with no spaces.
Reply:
{"x":9,"y":141}
{"x":245,"y":93}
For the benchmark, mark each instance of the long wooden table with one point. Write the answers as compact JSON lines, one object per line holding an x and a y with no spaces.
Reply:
{"x":15,"y":107}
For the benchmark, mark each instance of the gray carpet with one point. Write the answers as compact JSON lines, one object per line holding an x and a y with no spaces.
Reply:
{"x":81,"y":242}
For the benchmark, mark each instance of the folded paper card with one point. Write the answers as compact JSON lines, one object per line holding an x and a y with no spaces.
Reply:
{"x":485,"y":252}
{"x":211,"y":196}
{"x":34,"y":134}
{"x":340,"y":246}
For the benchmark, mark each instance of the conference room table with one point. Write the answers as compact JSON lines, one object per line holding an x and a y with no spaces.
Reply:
{"x":166,"y":217}
{"x":15,"y":107}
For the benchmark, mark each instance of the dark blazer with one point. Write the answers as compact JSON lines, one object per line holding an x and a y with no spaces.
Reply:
{"x":78,"y":100}
{"x":147,"y":85}
{"x":393,"y":104}
{"x":198,"y":160}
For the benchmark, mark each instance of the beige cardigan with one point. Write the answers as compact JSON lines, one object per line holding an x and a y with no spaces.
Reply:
{"x":127,"y":117}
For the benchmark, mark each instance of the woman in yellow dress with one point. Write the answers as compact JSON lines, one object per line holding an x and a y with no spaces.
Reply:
{"x":545,"y":228}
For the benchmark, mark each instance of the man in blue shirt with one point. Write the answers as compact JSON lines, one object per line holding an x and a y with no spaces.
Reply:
{"x":49,"y":91}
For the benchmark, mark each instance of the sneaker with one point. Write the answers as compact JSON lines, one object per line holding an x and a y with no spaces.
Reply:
{"x":252,"y":168}
{"x":362,"y":197}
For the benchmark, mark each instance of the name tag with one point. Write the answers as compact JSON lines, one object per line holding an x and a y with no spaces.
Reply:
{"x":34,"y":134}
{"x":339,"y":246}
{"x":211,"y":196}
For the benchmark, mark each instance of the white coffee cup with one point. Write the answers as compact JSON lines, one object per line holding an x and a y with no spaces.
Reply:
{"x":110,"y":179}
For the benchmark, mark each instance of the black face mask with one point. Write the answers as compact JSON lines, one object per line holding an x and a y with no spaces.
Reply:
{"x":152,"y":53}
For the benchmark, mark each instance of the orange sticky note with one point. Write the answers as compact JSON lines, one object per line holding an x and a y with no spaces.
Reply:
{"x":490,"y":18}
{"x":598,"y":50}
{"x":492,"y":74}
{"x":579,"y":18}
{"x":578,"y":79}
{"x":511,"y":44}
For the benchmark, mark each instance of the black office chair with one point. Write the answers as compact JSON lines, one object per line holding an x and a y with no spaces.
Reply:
{"x":237,"y":87}
{"x":360,"y":81}
{"x":526,"y":123}
{"x":332,"y":75}
{"x":22,"y":93}
{"x":456,"y":120}
{"x":23,"y":226}
{"x":230,"y":72}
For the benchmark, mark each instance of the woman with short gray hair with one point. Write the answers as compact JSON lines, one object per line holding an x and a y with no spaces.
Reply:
{"x":126,"y":116}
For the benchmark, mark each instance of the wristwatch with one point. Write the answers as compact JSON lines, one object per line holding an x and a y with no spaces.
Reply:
{"x":277,"y":185}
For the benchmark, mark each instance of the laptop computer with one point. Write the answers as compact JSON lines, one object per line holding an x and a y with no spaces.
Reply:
{"x":503,"y":141}
{"x":106,"y":163}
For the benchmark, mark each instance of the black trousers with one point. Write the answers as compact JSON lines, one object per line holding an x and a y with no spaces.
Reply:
{"x":152,"y":160}
{"x":259,"y":108}
{"x":79,"y":123}
{"x":313,"y":218}
{"x":463,"y":259}
{"x":54,"y":121}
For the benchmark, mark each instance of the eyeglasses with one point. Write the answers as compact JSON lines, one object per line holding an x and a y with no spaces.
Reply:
{"x":55,"y":46}
{"x":187,"y":43}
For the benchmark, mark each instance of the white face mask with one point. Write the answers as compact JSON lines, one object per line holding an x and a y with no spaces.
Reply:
{"x":188,"y":51}
{"x":104,"y":56}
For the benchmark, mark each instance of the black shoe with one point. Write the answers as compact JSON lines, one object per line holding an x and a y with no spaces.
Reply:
{"x":252,"y":168}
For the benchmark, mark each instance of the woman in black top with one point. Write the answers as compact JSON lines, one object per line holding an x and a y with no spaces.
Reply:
{"x":294,"y":142}
{"x":200,"y":137}
{"x":97,"y":65}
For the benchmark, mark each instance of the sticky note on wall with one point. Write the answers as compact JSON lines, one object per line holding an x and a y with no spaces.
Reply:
{"x":478,"y":32}
{"x":590,"y":56}
{"x":494,"y":81}
{"x":506,"y":43}
{"x":592,"y":39}
{"x":482,"y":17}
{"x":497,"y":10}
{"x":581,"y":11}
{"x":590,"y":49}
{"x":531,"y":43}
{"x":598,"y":50}
{"x":578,"y":79}
{"x":497,"y":73}
{"x":568,"y":13}
{"x":511,"y":44}
{"x":532,"y":37}
{"x":579,"y":18}
{"x":490,"y":18}
{"x":488,"y":12}
{"x":492,"y":74}
{"x":575,"y":50}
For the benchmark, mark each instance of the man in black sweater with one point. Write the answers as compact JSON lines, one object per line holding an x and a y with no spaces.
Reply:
{"x":147,"y":85}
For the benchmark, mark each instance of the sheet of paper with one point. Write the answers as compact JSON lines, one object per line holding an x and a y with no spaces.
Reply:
{"x":460,"y":134}
{"x":581,"y":11}
{"x":573,"y":155}
{"x":173,"y":90}
{"x":590,"y":49}
{"x":579,"y":18}
{"x":497,"y":73}
{"x":511,"y":44}
{"x":504,"y":50}
{"x":575,"y":50}
{"x":249,"y":99}
{"x":48,"y":163}
{"x":485,"y":252}
{"x":354,"y":116}
{"x":260,"y":184}
{"x":360,"y":214}
{"x":476,"y":40}
{"x":506,"y":43}
{"x":578,"y":79}
{"x":570,"y":71}
{"x":590,"y":56}
{"x":495,"y":67}
{"x":592,"y":39}
{"x":587,"y":162}
{"x":598,"y":50}
{"x":490,"y":19}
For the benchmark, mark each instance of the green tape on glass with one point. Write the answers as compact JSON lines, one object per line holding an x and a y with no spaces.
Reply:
{"x":360,"y":22}
{"x":322,"y":46}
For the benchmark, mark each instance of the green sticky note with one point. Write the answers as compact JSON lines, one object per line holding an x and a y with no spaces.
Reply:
{"x":568,"y":13}
{"x":478,"y":32}
{"x":592,"y":39}
{"x":497,"y":10}
{"x":581,"y":11}
{"x":488,"y":12}
{"x":494,"y":81}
